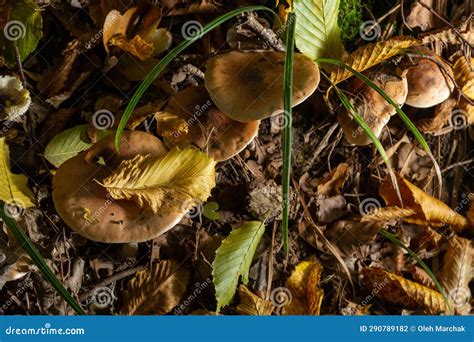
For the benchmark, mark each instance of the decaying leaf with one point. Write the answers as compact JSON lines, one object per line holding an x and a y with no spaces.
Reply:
{"x":441,"y":116}
{"x":352,"y":236}
{"x":420,"y":16}
{"x":156,"y":291}
{"x":463,"y":71}
{"x":233,"y":259}
{"x":317,"y":33}
{"x":70,"y":143}
{"x":370,"y":55}
{"x":306,"y":296}
{"x":13,"y":188}
{"x":164,"y":183}
{"x":457,"y":272}
{"x":427,"y":208}
{"x":251,"y":304}
{"x":404,"y":292}
{"x":331,"y":185}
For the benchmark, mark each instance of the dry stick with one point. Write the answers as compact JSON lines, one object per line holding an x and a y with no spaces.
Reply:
{"x":20,"y":66}
{"x":268,"y":34}
{"x":110,"y":280}
{"x":323,"y":143}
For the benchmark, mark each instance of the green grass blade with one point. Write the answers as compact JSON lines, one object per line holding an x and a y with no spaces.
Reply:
{"x":411,"y":126}
{"x":155,"y":72}
{"x":393,"y":238}
{"x":287,"y":100}
{"x":29,"y":248}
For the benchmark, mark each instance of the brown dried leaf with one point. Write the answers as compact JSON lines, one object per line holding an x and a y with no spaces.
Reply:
{"x":427,"y":208}
{"x":422,"y":277}
{"x":302,"y":285}
{"x":463,"y":71}
{"x":331,"y":185}
{"x":351,"y":236}
{"x":251,"y":304}
{"x":441,"y":116}
{"x":457,"y":272}
{"x":156,"y":291}
{"x":388,"y":214}
{"x":420,"y":16}
{"x":370,"y":55}
{"x":399,"y":290}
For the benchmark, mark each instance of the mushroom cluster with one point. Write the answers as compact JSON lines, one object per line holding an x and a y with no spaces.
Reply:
{"x":423,"y":80}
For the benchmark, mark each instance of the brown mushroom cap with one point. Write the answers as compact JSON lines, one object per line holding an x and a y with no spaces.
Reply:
{"x":373,"y":108}
{"x":202,"y":124}
{"x":428,"y":85}
{"x":249,"y":86}
{"x":87,"y":208}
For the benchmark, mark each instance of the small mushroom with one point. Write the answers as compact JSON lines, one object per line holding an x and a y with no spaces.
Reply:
{"x":192,"y":118}
{"x":87,"y":208}
{"x":371,"y":106}
{"x":429,"y":80}
{"x":249,"y":86}
{"x":14,"y":99}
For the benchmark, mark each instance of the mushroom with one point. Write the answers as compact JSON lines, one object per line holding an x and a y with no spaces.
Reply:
{"x":14,"y":99}
{"x":429,"y":79}
{"x":371,"y":106}
{"x":249,"y":86}
{"x":192,"y":118}
{"x":87,"y":208}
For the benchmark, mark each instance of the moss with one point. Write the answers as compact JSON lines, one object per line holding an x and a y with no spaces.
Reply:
{"x":350,"y":19}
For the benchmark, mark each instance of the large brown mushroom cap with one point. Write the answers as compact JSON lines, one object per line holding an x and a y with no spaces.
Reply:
{"x":191,"y":118}
{"x":87,"y":208}
{"x":249,"y":86}
{"x":373,"y":108}
{"x":428,"y":85}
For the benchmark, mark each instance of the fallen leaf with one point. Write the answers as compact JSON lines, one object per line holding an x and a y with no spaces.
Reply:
{"x":420,"y":16}
{"x":427,"y":208}
{"x":251,"y":304}
{"x":14,"y":98}
{"x":463,"y":71}
{"x":233,"y":260}
{"x":331,"y":185}
{"x":156,"y":291}
{"x":441,"y":116}
{"x":306,"y":296}
{"x":14,"y":189}
{"x":404,"y":292}
{"x":457,"y":273}
{"x":370,"y":55}
{"x":164,"y":183}
{"x":351,"y":236}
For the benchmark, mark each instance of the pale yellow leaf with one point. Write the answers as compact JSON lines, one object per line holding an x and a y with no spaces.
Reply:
{"x":156,"y":291}
{"x":13,"y":188}
{"x":370,"y":55}
{"x":302,"y":285}
{"x":463,"y":71}
{"x":251,"y":304}
{"x":164,"y":183}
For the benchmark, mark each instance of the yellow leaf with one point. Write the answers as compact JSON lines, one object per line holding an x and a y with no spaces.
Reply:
{"x":404,"y":292}
{"x":302,"y":285}
{"x":156,"y":291}
{"x":457,"y":273}
{"x":370,"y":55}
{"x":136,"y":46}
{"x":164,"y":183}
{"x":427,"y":208}
{"x":251,"y":304}
{"x":464,"y":75}
{"x":13,"y":188}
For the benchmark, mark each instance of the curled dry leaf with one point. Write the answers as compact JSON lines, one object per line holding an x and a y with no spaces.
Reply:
{"x":306,"y":296}
{"x":441,"y":116}
{"x":370,"y":55}
{"x":428,"y":210}
{"x":351,"y":236}
{"x":156,"y":291}
{"x":164,"y":183}
{"x":251,"y":304}
{"x":399,"y":290}
{"x":331,"y":185}
{"x":457,"y":273}
{"x":463,"y":71}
